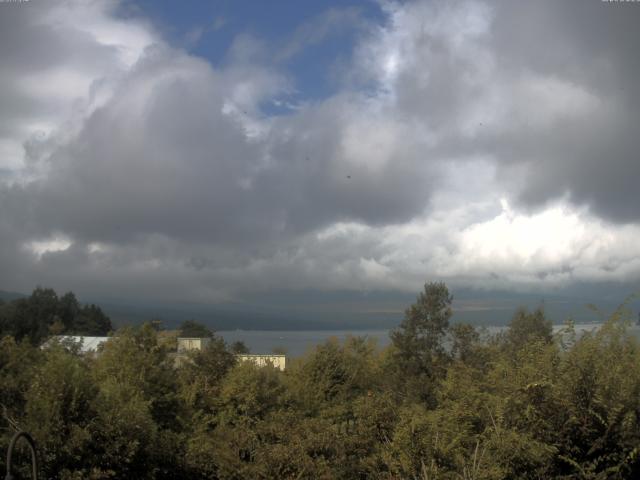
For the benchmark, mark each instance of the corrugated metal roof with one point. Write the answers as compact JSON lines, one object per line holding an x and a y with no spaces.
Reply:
{"x":87,"y":344}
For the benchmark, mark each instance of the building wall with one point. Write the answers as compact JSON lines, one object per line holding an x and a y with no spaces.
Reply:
{"x":187,"y":344}
{"x":278,"y":361}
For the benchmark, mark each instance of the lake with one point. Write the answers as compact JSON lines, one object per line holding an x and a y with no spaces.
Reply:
{"x":298,"y":342}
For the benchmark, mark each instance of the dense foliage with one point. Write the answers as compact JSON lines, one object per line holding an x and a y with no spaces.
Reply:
{"x":193,"y":329}
{"x":44,"y":313}
{"x":442,"y":402}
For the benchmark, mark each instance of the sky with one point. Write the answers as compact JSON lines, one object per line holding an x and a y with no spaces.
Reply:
{"x":216,"y":151}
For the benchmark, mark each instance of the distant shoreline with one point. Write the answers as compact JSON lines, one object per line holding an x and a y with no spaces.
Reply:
{"x":298,"y":342}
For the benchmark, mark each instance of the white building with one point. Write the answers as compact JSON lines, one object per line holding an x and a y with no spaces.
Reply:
{"x":186,"y":344}
{"x":278,"y":361}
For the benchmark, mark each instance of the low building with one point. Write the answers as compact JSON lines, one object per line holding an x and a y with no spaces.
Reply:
{"x":189,"y":344}
{"x":186,"y":344}
{"x":278,"y":361}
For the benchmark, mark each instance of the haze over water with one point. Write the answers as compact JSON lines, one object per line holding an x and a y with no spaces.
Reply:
{"x":296,"y":343}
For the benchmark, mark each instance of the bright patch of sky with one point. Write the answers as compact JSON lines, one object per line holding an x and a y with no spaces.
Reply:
{"x":311,"y":41}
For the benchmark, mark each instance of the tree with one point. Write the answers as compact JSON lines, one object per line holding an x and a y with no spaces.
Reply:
{"x":239,"y":347}
{"x":91,"y":320}
{"x":201,"y":377}
{"x":518,"y":405}
{"x":59,"y":411}
{"x":68,"y":310}
{"x":324,"y":375}
{"x":32,"y":316}
{"x":419,"y":354}
{"x":137,"y":407}
{"x":193,"y":329}
{"x":465,"y":340}
{"x":250,"y":392}
{"x":18,"y":361}
{"x":43,"y":313}
{"x":526,"y":327}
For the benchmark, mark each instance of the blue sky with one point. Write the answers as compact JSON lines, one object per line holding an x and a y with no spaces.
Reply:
{"x":325,"y":32}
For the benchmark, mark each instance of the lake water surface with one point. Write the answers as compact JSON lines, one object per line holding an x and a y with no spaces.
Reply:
{"x":298,"y":342}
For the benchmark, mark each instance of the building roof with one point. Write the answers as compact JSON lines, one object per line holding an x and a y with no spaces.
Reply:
{"x":87,"y":344}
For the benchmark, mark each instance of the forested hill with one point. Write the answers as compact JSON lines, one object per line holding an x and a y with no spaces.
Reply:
{"x":6,"y":296}
{"x":44,"y":313}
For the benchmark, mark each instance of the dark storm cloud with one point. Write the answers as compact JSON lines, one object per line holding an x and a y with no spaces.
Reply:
{"x":163,"y":157}
{"x":592,"y":44}
{"x":550,"y":87}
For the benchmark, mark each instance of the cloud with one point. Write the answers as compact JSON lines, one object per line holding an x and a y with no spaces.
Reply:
{"x":458,"y":147}
{"x":52,"y":57}
{"x":313,"y":32}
